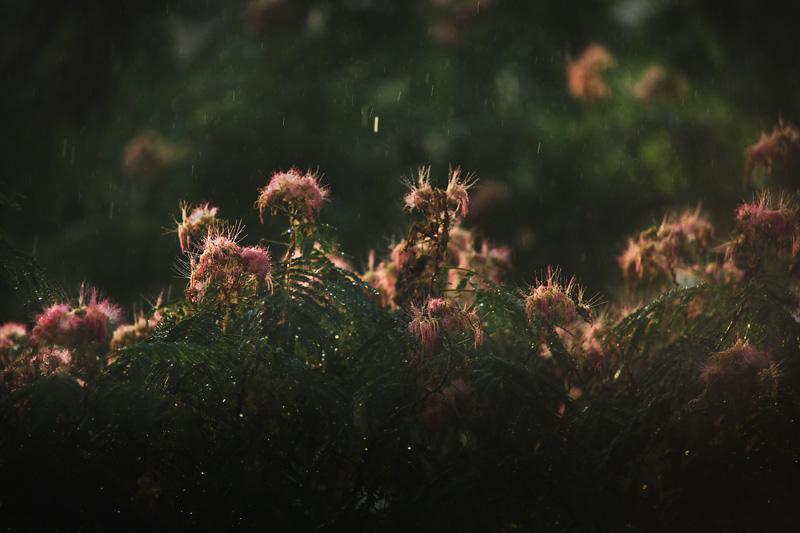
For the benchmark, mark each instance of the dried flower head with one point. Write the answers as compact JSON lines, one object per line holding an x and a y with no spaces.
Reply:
{"x":585,"y":74}
{"x":441,"y":316}
{"x":196,"y":223}
{"x":300,"y":194}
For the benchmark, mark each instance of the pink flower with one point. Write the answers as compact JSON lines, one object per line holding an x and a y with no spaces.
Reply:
{"x":766,"y":228}
{"x":656,"y":82}
{"x":257,"y":261}
{"x":142,"y":329}
{"x":57,"y":357}
{"x":443,"y":317}
{"x":226,"y":269}
{"x":12,"y":333}
{"x":82,"y":326}
{"x":300,"y":194}
{"x":739,"y":369}
{"x":585,"y":74}
{"x":552,"y":301}
{"x":457,"y":188}
{"x":195,"y":224}
{"x":429,"y":200}
{"x":675,"y":244}
{"x":772,"y":221}
{"x":783,"y":143}
{"x":383,"y":278}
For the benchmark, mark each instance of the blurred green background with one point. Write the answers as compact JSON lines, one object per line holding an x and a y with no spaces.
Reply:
{"x":113,"y":112}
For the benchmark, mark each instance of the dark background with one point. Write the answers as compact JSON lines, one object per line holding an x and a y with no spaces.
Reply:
{"x":234,"y":91}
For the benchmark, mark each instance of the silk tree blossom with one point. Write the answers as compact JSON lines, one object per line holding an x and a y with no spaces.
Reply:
{"x":557,"y":304}
{"x":143,"y":328}
{"x":13,"y":335}
{"x":227,"y":270}
{"x":300,"y":194}
{"x":585,"y":74}
{"x":741,"y":369}
{"x":82,"y":326}
{"x":426,"y":199}
{"x":441,"y":317}
{"x":677,"y":244}
{"x":783,"y":143}
{"x":488,"y":264}
{"x":196,"y":223}
{"x":383,"y":278}
{"x":766,"y":228}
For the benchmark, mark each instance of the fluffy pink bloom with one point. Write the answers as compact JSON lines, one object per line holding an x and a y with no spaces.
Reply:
{"x":585,"y":74}
{"x":196,"y":223}
{"x":128,"y":334}
{"x":655,"y":82}
{"x":766,"y":228}
{"x":676,"y":244}
{"x":81,"y":326}
{"x":256,"y":261}
{"x":57,"y":357}
{"x":740,"y":369}
{"x":427,"y":199}
{"x":783,"y":143}
{"x":443,"y":317}
{"x":300,"y":194}
{"x":12,"y":334}
{"x":554,"y":302}
{"x":226,"y":269}
{"x":383,"y":278}
{"x":768,"y":219}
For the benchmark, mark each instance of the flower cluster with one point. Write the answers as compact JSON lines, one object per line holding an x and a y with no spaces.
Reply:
{"x":13,"y":336}
{"x":128,"y":334}
{"x":483,"y":265}
{"x":589,"y":345}
{"x":680,"y":243}
{"x":443,"y":317}
{"x":300,"y":194}
{"x":146,"y":155}
{"x":783,"y":143}
{"x":383,"y":278}
{"x":487,"y":264}
{"x":585,"y":74}
{"x":196,"y":223}
{"x":765,"y":229}
{"x":76,"y":327}
{"x":741,"y":369}
{"x":656,"y":83}
{"x":225,"y":269}
{"x":555,"y":303}
{"x":428,"y":200}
